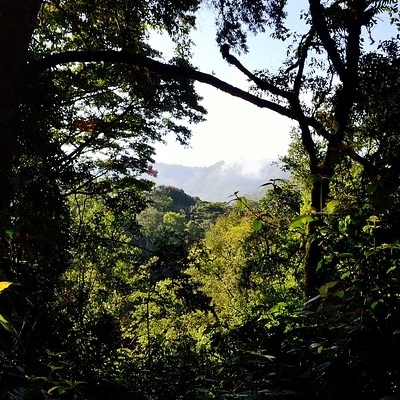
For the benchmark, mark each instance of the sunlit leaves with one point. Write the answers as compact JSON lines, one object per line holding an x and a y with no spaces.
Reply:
{"x":332,"y":206}
{"x":258,"y":225}
{"x":5,"y":285}
{"x":301,"y":221}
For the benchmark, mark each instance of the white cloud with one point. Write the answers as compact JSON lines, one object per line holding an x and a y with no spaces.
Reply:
{"x":234,"y":130}
{"x":248,"y":167}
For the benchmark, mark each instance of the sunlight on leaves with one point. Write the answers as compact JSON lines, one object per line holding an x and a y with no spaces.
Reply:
{"x":4,"y":285}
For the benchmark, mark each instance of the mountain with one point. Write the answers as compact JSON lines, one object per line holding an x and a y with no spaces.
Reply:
{"x":219,"y":181}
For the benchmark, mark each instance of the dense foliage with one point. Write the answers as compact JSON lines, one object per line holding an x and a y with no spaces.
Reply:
{"x":112,"y":288}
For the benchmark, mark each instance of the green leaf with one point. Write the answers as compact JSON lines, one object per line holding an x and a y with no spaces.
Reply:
{"x":368,"y":228}
{"x":7,"y":326}
{"x":369,"y":252}
{"x":313,"y":178}
{"x":324,"y":289}
{"x":241,"y":203}
{"x":332,"y":206}
{"x":376,"y":303}
{"x":319,"y":265}
{"x":11,"y":233}
{"x":339,"y":293}
{"x":374,"y":219}
{"x":257,"y":225}
{"x":301,"y":221}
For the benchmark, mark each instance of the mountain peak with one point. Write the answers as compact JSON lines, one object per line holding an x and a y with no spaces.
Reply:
{"x":219,"y":181}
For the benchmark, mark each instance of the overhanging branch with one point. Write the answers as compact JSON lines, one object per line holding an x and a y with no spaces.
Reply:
{"x":171,"y":70}
{"x":188,"y":72}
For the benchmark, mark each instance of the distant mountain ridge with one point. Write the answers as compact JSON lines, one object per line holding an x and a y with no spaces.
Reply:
{"x":219,"y":181}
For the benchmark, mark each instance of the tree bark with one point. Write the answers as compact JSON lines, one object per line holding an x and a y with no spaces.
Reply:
{"x":17,"y":21}
{"x":346,"y":67}
{"x":313,"y":251}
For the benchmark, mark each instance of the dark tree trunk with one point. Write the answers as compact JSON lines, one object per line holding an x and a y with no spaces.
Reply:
{"x":17,"y":21}
{"x":313,"y":251}
{"x":348,"y":73}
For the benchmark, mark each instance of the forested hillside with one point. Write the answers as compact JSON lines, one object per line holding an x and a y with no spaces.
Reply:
{"x":114,"y":288}
{"x":219,"y":181}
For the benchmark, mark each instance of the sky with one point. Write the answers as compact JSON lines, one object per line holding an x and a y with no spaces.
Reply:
{"x":234,"y":130}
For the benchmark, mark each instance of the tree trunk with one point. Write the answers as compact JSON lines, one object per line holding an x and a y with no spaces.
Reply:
{"x":313,"y":251}
{"x":17,"y":21}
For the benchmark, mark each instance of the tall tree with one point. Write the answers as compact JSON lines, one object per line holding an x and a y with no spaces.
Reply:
{"x":79,"y":127}
{"x":108,"y":113}
{"x":17,"y":23}
{"x":84,"y":123}
{"x":331,"y":63}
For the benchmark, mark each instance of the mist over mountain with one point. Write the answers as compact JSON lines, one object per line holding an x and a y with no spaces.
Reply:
{"x":219,"y":181}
